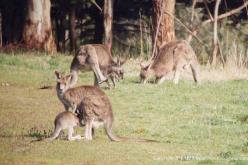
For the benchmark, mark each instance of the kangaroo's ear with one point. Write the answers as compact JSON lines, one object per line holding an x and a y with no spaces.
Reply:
{"x":57,"y":74}
{"x":123,"y":61}
{"x":180,"y":49}
{"x":68,"y":77}
{"x":115,"y":60}
{"x":81,"y":51}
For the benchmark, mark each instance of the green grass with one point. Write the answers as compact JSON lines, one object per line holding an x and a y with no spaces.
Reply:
{"x":206,"y":124}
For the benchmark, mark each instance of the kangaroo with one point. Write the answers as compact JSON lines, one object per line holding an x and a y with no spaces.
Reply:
{"x":94,"y":57}
{"x":93,"y":103}
{"x":65,"y":120}
{"x":173,"y":56}
{"x":114,"y":74}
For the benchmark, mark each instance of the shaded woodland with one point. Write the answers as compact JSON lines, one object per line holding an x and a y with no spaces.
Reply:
{"x":128,"y":27}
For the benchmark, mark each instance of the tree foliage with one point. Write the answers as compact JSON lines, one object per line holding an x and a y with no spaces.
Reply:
{"x":130,"y":19}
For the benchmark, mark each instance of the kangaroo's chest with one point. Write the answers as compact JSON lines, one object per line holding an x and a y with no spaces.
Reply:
{"x":66,"y":101}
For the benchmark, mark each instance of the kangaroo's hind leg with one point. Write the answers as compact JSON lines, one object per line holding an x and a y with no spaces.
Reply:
{"x":88,"y":129}
{"x":70,"y":134}
{"x":93,"y":61}
{"x":176,"y":76}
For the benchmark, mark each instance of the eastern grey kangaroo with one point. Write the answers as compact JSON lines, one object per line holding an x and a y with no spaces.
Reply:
{"x":65,"y":120}
{"x":93,"y":103}
{"x":94,"y":57}
{"x":173,"y":56}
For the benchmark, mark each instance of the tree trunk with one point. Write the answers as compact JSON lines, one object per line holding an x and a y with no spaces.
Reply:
{"x":108,"y":19}
{"x":37,"y":32}
{"x":98,"y":35}
{"x":60,"y":25}
{"x":163,"y":23}
{"x":72,"y":28}
{"x":12,"y":18}
{"x":215,"y":33}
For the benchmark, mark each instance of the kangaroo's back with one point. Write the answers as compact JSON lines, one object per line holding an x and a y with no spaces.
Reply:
{"x":91,"y":99}
{"x":103,"y":55}
{"x":165,"y":58}
{"x":172,"y":53}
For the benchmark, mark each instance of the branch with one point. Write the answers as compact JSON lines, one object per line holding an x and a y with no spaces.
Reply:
{"x":191,"y":20}
{"x":246,"y":8}
{"x":193,"y":12}
{"x":218,"y":42}
{"x":156,"y":35}
{"x":192,"y":33}
{"x":209,"y":13}
{"x":94,"y":2}
{"x":234,"y":11}
{"x":215,"y":33}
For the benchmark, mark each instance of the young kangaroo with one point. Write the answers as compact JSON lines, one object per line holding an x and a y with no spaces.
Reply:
{"x":93,"y":103}
{"x":65,"y":120}
{"x":114,"y":74}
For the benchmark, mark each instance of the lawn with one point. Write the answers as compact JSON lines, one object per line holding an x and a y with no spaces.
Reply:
{"x":195,"y":124}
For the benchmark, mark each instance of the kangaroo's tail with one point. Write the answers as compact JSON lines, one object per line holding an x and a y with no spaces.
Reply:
{"x":113,"y":137}
{"x":54,"y":135}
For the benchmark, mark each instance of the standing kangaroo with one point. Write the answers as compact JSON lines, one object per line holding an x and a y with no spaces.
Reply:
{"x":173,"y":56}
{"x":94,"y":57}
{"x":65,"y":120}
{"x":93,"y":103}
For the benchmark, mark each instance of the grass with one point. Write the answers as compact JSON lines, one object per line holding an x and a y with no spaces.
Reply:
{"x":195,"y":124}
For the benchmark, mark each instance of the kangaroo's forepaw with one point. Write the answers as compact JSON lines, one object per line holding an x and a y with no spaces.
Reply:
{"x":78,"y":137}
{"x":103,"y":80}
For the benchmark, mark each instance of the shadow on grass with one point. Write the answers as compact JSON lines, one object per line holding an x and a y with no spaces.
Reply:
{"x":35,"y":133}
{"x":47,"y":87}
{"x":138,"y":82}
{"x":240,"y":80}
{"x":243,"y":119}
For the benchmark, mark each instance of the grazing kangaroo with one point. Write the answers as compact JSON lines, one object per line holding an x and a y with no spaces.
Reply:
{"x":94,"y":57}
{"x":173,"y":56}
{"x":93,"y":103}
{"x":114,"y":74}
{"x":65,"y":120}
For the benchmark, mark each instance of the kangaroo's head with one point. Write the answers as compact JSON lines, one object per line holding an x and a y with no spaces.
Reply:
{"x":82,"y":53}
{"x":77,"y":120}
{"x":144,"y":73}
{"x":63,"y":82}
{"x":119,"y":71}
{"x":117,"y":66}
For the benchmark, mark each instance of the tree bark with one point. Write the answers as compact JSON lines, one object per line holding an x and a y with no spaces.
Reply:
{"x":72,"y":28}
{"x":37,"y":32}
{"x":215,"y":33}
{"x":108,"y":19}
{"x":166,"y":30}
